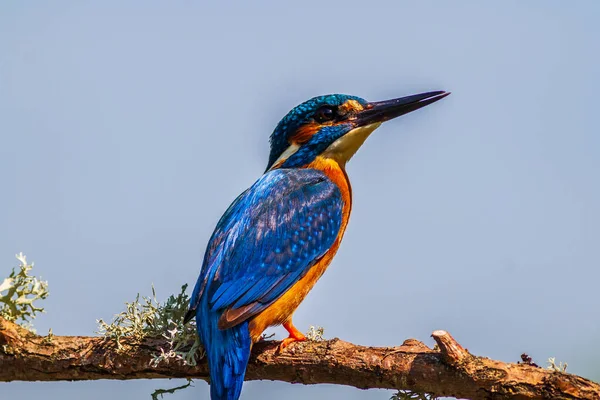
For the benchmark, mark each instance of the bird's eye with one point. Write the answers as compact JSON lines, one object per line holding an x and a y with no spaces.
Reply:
{"x":325,"y":113}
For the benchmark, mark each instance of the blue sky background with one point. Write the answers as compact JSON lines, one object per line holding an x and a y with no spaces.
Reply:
{"x":127,"y":128}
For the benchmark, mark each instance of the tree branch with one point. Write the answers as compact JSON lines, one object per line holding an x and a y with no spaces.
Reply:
{"x":451,"y":371}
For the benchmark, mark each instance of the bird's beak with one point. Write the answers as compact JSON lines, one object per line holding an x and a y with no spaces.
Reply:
{"x":381,"y":111}
{"x":371,"y":117}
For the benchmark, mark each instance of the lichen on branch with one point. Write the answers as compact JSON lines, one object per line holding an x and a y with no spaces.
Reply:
{"x":149,"y":318}
{"x":19,"y":291}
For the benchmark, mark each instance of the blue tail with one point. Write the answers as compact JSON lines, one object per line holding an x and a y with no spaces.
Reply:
{"x":228,"y":352}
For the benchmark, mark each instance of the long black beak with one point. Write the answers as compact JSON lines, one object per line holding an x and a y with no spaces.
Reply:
{"x":381,"y":111}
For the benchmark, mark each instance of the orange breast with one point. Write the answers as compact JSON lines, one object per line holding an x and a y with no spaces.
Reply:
{"x":283,"y":308}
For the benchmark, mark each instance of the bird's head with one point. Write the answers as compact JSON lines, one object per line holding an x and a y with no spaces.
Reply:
{"x":335,"y":126}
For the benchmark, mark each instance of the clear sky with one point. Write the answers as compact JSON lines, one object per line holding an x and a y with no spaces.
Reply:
{"x":127,"y":128}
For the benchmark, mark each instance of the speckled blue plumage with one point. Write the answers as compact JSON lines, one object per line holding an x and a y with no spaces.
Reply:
{"x":265,"y":242}
{"x":300,"y":115}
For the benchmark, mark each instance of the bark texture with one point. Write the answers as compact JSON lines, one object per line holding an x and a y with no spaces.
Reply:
{"x":449,"y":371}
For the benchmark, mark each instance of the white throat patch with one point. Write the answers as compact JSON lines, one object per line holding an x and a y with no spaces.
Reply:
{"x":286,"y":154}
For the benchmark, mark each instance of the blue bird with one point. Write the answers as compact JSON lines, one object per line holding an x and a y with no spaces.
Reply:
{"x":278,"y":237}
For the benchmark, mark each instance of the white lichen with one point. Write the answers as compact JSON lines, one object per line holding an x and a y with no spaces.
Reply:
{"x":315,"y":333}
{"x":560,"y":367}
{"x":18,"y":293}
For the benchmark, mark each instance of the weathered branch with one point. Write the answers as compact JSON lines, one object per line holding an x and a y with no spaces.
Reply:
{"x":451,"y":371}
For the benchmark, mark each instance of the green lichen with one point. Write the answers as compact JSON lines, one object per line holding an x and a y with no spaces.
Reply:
{"x":410,"y":395}
{"x":149,"y":318}
{"x":49,"y":339}
{"x":18,"y":293}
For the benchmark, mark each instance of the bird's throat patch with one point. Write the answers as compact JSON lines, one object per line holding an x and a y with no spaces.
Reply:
{"x":345,"y":147}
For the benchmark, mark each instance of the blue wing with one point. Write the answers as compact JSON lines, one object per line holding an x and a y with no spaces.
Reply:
{"x":266,"y":241}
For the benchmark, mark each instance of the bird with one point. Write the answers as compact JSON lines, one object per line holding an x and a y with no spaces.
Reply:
{"x":279,"y":236}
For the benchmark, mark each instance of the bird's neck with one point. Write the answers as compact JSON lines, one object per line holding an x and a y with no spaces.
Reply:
{"x":337,"y":174}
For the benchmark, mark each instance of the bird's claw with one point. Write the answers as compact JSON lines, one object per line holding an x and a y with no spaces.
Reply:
{"x":289,"y":340}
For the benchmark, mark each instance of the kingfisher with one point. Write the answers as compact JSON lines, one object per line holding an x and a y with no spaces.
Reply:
{"x":279,"y":236}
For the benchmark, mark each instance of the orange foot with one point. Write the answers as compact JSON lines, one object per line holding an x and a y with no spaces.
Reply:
{"x":295,"y":336}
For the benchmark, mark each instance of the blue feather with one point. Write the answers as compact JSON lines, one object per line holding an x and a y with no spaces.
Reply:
{"x":265,"y":242}
{"x":227,"y":351}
